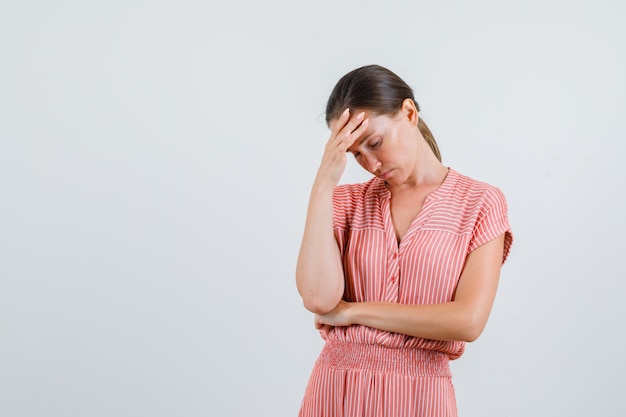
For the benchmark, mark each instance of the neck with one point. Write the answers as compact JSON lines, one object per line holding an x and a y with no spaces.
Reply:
{"x":428,"y":171}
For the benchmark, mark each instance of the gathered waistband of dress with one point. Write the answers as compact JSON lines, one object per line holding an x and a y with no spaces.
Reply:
{"x":382,"y":359}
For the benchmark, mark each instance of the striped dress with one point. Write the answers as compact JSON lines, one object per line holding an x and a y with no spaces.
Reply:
{"x":364,"y":371}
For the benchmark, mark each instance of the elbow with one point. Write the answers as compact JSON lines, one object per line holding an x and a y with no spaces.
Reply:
{"x":318,"y":305}
{"x":471,"y":329}
{"x":470,"y":335}
{"x":319,"y":298}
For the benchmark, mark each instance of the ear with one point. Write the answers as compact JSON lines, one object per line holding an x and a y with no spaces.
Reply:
{"x":409,"y":111}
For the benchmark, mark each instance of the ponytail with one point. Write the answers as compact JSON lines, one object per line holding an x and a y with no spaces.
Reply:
{"x":430,"y":139}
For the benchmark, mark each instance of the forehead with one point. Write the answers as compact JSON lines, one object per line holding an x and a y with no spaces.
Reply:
{"x":376,"y":126}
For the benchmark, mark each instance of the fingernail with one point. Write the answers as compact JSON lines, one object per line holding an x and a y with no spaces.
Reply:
{"x":347,"y":110}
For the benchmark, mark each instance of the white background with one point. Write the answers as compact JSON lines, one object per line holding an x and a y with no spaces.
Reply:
{"x":155,"y":164}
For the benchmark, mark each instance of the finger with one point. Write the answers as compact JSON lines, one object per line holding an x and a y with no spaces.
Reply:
{"x":339,"y":123}
{"x":345,"y":125}
{"x":354,"y":123}
{"x":342,"y":134}
{"x":353,"y":131}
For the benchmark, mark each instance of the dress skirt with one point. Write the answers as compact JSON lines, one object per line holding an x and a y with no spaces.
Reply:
{"x":362,"y":380}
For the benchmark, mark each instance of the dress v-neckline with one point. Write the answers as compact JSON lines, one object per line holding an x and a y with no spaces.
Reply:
{"x":422,"y":215}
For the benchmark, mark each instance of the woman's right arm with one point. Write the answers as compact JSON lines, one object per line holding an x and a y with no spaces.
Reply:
{"x":319,"y":272}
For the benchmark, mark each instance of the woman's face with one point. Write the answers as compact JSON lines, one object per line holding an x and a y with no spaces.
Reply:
{"x":388,"y":147}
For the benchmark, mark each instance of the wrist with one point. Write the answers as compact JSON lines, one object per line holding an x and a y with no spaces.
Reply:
{"x":326,"y":180}
{"x":353,"y":312}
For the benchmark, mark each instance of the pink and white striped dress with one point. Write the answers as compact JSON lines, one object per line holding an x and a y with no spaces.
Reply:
{"x":363,"y":371}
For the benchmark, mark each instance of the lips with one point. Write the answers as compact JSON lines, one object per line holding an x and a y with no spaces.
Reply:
{"x":385,"y":175}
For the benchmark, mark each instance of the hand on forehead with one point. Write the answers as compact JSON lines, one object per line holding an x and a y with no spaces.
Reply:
{"x":352,"y":117}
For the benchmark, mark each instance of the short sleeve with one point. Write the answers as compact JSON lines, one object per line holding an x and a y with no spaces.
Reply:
{"x":492,"y":221}
{"x":341,"y":207}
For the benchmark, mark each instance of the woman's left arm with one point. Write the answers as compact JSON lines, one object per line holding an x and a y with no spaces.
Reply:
{"x":463,"y":319}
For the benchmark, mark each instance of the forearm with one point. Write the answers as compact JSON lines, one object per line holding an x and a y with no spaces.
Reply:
{"x":446,"y":321}
{"x":461,"y":319}
{"x":319,"y":272}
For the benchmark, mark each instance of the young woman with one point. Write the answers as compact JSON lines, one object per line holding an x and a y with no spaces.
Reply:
{"x":400,"y":271}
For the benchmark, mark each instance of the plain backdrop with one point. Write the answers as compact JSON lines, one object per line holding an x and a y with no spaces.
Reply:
{"x":155,"y":164}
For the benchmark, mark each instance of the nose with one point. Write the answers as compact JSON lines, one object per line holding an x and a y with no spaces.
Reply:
{"x":371,"y":163}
